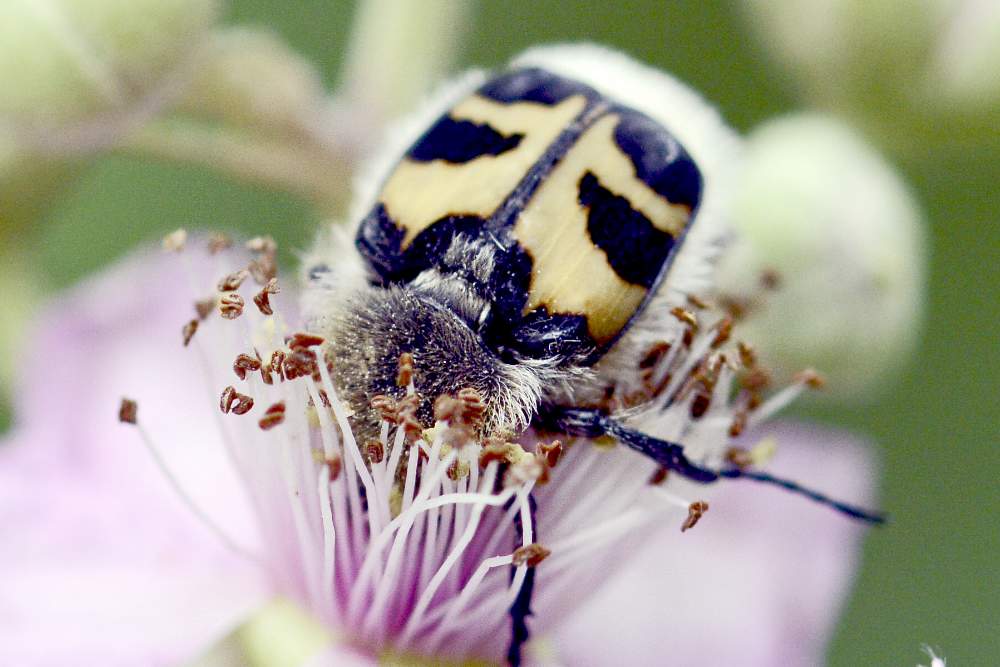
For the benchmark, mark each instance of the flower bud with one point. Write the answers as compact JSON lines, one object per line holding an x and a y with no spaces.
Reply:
{"x":828,"y":262}
{"x":66,"y":60}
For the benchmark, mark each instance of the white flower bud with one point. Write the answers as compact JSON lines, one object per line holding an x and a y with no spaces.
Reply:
{"x":820,"y":214}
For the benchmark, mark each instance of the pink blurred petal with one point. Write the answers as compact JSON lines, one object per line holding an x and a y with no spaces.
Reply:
{"x":760,"y":581}
{"x":341,"y":656}
{"x":101,"y":562}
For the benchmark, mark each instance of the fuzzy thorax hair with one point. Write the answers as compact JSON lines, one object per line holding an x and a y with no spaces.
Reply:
{"x":377,"y":325}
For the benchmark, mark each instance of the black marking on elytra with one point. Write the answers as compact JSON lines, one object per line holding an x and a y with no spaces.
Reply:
{"x":534,"y":85}
{"x":659,"y":159}
{"x":637,"y":251}
{"x":459,"y":141}
{"x":635,"y":248}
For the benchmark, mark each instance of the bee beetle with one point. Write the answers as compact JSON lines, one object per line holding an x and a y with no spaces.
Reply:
{"x":526,"y":236}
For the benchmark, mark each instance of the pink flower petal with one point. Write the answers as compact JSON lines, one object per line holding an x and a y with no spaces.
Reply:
{"x":760,"y":581}
{"x":101,"y":562}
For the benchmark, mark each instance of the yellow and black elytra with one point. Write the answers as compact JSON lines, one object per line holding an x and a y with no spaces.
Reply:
{"x":582,"y":200}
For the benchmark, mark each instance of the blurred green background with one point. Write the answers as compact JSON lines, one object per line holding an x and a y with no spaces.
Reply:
{"x":933,"y":576}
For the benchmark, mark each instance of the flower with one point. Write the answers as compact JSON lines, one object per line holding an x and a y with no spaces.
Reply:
{"x":127,"y":569}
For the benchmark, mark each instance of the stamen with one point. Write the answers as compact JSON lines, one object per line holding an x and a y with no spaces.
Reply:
{"x":530,"y":555}
{"x":245,"y":363}
{"x":205,"y":307}
{"x":263,"y":298}
{"x":188,"y":331}
{"x":175,"y":240}
{"x":232,"y":282}
{"x":696,"y":510}
{"x":405,"y":375}
{"x":273,"y":416}
{"x":218,"y":242}
{"x":231,"y":305}
{"x":127,"y":413}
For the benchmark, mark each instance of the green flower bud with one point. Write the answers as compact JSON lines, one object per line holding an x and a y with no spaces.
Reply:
{"x":65,"y":60}
{"x":829,"y":256}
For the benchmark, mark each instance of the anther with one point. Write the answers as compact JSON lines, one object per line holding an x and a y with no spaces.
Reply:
{"x":748,"y":356}
{"x":810,"y":378}
{"x":277,"y":366}
{"x":303,"y":341}
{"x":273,"y":416}
{"x":235,"y":402}
{"x":375,"y":451}
{"x":405,"y":374}
{"x":217,"y":242}
{"x":659,"y":476}
{"x":264,"y":267}
{"x":696,"y":302}
{"x":245,"y":363}
{"x":738,"y":424}
{"x":407,"y":417}
{"x":458,"y":470}
{"x":263,"y":298}
{"x":335,"y":465}
{"x":386,"y":407}
{"x":232,"y":281}
{"x":723,"y":331}
{"x":205,"y":307}
{"x":530,"y":555}
{"x":128,"y":411}
{"x":739,"y":457}
{"x":551,"y":452}
{"x":231,"y":305}
{"x":696,"y":510}
{"x":175,"y":240}
{"x":188,"y":331}
{"x":300,"y":363}
{"x":503,"y":452}
{"x":770,"y":279}
{"x":755,"y":379}
{"x":700,"y":404}
{"x":685,"y":316}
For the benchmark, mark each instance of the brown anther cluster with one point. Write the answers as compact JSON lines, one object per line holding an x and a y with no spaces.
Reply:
{"x":232,"y":281}
{"x":659,"y":476}
{"x":323,"y":399}
{"x":685,"y":316}
{"x":405,"y":375}
{"x":739,"y":457}
{"x":466,"y":409}
{"x":551,"y":452}
{"x":205,"y":307}
{"x":810,"y":378}
{"x":262,"y":299}
{"x":235,"y":402}
{"x":264,"y":265}
{"x":217,"y":242}
{"x":696,"y":510}
{"x":375,"y":451}
{"x":188,"y":331}
{"x":723,"y":331}
{"x":245,"y":364}
{"x":530,"y":555}
{"x":231,"y":305}
{"x":175,"y":240}
{"x":755,"y":379}
{"x":128,"y":411}
{"x":273,"y":416}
